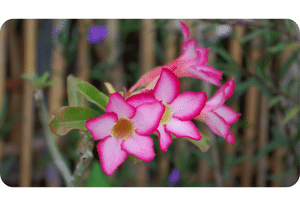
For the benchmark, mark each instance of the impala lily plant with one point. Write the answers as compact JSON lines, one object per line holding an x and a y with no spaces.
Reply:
{"x":192,"y":63}
{"x":158,"y":108}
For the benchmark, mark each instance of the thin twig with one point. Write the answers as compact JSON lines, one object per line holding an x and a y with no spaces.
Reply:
{"x":53,"y":149}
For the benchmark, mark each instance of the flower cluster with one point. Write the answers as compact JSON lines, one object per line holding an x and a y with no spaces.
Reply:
{"x":160,"y":107}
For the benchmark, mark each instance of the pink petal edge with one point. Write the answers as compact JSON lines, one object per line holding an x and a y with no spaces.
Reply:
{"x":100,"y":127}
{"x":167,"y":87}
{"x":183,"y":129}
{"x":147,"y":117}
{"x":111,"y":155}
{"x":118,"y":105}
{"x":185,"y":30}
{"x":139,"y":146}
{"x":164,"y":138}
{"x":188,"y":105}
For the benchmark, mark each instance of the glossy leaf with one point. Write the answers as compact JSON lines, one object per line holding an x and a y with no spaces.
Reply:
{"x":92,"y":94}
{"x":68,"y":118}
{"x":74,"y":97}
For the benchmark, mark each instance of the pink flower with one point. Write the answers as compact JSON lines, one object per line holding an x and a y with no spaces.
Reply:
{"x":190,"y":64}
{"x":179,"y":108}
{"x":123,"y":130}
{"x":218,"y":116}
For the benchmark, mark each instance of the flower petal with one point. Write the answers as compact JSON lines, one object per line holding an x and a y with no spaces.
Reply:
{"x":100,"y":127}
{"x":189,"y":51}
{"x":229,"y":88}
{"x":229,"y":115}
{"x":203,"y":55}
{"x":188,"y":105}
{"x":164,"y":138}
{"x":147,"y":117}
{"x":230,"y":138}
{"x":139,"y":99}
{"x":183,"y":129}
{"x":167,"y":87}
{"x":111,"y":155}
{"x":118,"y":105}
{"x":219,"y":98}
{"x":217,"y":124}
{"x":139,"y":146}
{"x":206,"y":73}
{"x":97,"y":34}
{"x":146,"y":79}
{"x":185,"y":30}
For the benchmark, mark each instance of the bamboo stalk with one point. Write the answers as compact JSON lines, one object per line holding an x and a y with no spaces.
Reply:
{"x":58,"y":68}
{"x":30,"y":31}
{"x":84,"y":63}
{"x":262,"y":168}
{"x":251,"y":116}
{"x":3,"y":46}
{"x":114,"y":46}
{"x":147,"y":63}
{"x":236,"y":51}
{"x":147,"y":48}
{"x":263,"y":136}
{"x":16,"y":68}
{"x":279,"y":152}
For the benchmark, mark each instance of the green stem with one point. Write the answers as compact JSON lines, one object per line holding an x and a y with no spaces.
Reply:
{"x":53,"y":149}
{"x":85,"y":159}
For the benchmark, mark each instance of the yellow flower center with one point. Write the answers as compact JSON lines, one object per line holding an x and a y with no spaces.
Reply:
{"x":167,"y":116}
{"x":123,"y":129}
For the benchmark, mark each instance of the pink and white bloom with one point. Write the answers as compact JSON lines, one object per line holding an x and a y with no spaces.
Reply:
{"x":179,"y":109}
{"x":124,"y":129}
{"x":218,"y":116}
{"x":192,"y":63}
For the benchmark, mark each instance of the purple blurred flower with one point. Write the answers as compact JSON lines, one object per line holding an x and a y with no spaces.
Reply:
{"x":174,"y":178}
{"x":97,"y":34}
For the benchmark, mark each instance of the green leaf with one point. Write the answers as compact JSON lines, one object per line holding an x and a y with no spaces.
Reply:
{"x":92,"y":94}
{"x":97,"y":177}
{"x":252,"y":35}
{"x":279,"y":47}
{"x":68,"y":118}
{"x":224,"y":54}
{"x":135,"y":159}
{"x":3,"y":110}
{"x":6,"y":165}
{"x":291,"y":114}
{"x":274,"y":101}
{"x":242,"y":87}
{"x":285,"y":67}
{"x":75,"y":98}
{"x":5,"y":128}
{"x":280,"y":176}
{"x":271,"y":146}
{"x":30,"y":76}
{"x":203,"y":144}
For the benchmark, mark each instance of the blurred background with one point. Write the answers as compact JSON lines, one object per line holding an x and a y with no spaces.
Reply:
{"x":262,"y":55}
